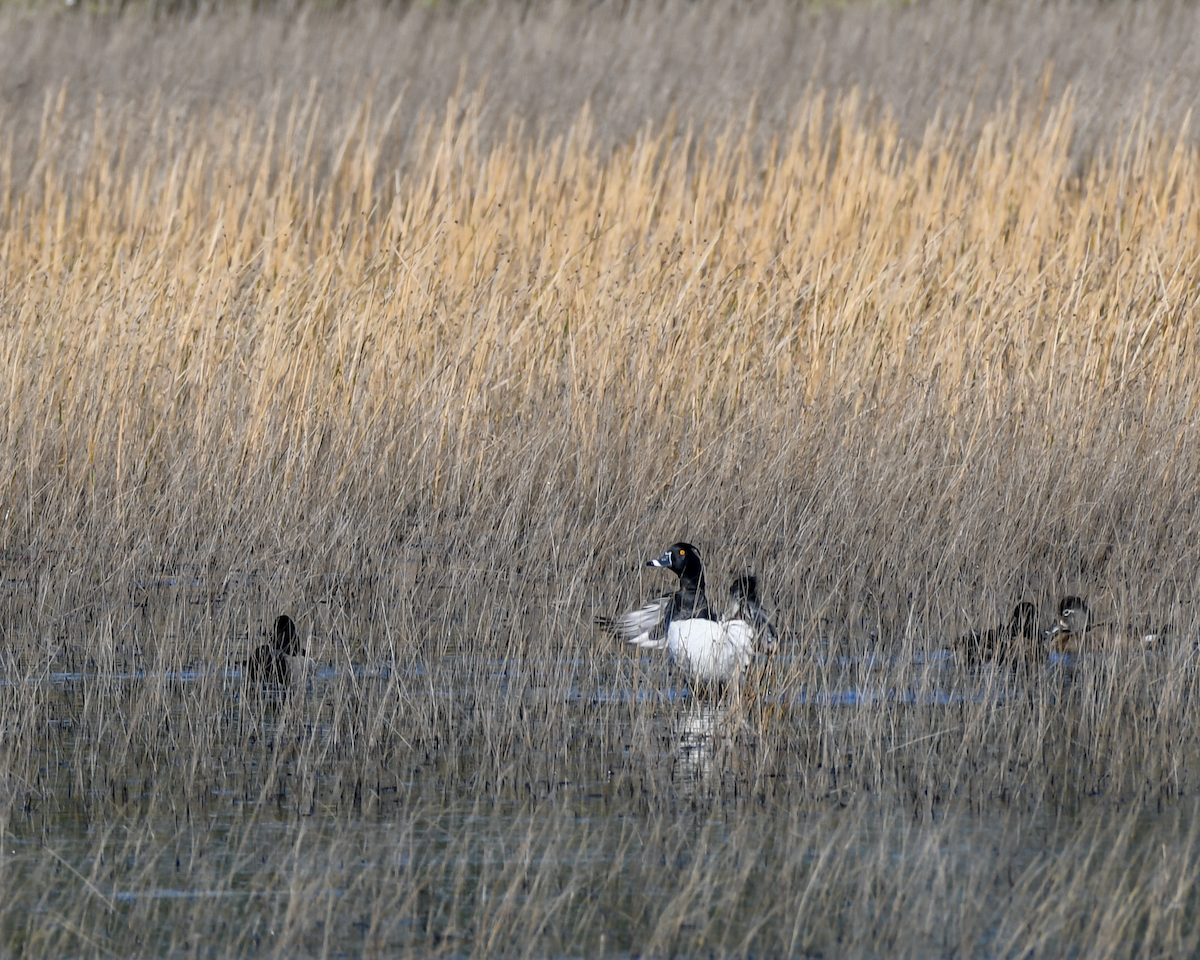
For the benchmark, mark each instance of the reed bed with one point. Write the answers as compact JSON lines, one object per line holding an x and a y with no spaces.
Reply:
{"x":438,"y":386}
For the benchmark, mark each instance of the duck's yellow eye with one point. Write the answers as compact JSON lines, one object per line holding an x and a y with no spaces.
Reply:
{"x":683,"y":553}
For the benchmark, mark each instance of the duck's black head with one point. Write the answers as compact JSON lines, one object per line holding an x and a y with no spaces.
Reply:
{"x":684,"y":559}
{"x":286,"y":639}
{"x":744,"y":587}
{"x":1024,"y":620}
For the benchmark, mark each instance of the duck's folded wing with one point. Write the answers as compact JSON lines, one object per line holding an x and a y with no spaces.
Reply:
{"x":644,"y":627}
{"x":764,"y":634}
{"x":766,"y":637}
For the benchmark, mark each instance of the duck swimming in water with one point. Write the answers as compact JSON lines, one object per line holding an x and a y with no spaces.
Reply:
{"x":744,"y":605}
{"x":705,"y":648}
{"x":269,"y":663}
{"x":1075,"y":631}
{"x":1015,"y":642}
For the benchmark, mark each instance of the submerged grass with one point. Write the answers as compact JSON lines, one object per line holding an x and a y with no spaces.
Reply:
{"x":439,"y":394}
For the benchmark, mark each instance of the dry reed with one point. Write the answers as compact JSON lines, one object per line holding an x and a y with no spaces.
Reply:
{"x":439,"y":390}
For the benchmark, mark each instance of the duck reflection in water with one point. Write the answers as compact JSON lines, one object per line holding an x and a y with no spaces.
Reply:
{"x":698,"y":730}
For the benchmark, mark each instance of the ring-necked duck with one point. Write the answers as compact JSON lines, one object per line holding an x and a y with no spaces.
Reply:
{"x":1018,"y":641}
{"x":1072,"y":624}
{"x":744,"y":605}
{"x":269,"y":663}
{"x":1075,"y":630}
{"x":706,"y":649}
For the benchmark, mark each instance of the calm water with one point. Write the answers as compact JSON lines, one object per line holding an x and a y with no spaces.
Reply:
{"x":482,"y":805}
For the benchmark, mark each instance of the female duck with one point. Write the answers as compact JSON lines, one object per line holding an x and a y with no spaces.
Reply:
{"x":706,"y":649}
{"x":1074,"y":631}
{"x":269,"y":663}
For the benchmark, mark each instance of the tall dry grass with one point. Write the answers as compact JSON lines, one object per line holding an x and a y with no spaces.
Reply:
{"x":904,"y":370}
{"x":439,"y":390}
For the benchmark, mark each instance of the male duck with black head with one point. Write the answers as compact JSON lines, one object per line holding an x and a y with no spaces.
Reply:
{"x":744,"y":605}
{"x":706,"y":649}
{"x":1017,"y":642}
{"x":269,"y":663}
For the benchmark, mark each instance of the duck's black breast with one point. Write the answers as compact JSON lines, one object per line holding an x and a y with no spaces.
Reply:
{"x":690,"y":603}
{"x":267,"y":666}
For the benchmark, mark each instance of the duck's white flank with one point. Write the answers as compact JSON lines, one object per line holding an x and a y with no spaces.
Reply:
{"x":711,"y":651}
{"x":298,"y":666}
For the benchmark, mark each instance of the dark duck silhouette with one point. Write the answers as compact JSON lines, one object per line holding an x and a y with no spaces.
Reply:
{"x":1016,"y":642}
{"x":744,"y":605}
{"x":269,"y":663}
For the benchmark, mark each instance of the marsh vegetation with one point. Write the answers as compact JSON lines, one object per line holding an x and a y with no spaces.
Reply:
{"x":435,"y":369}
